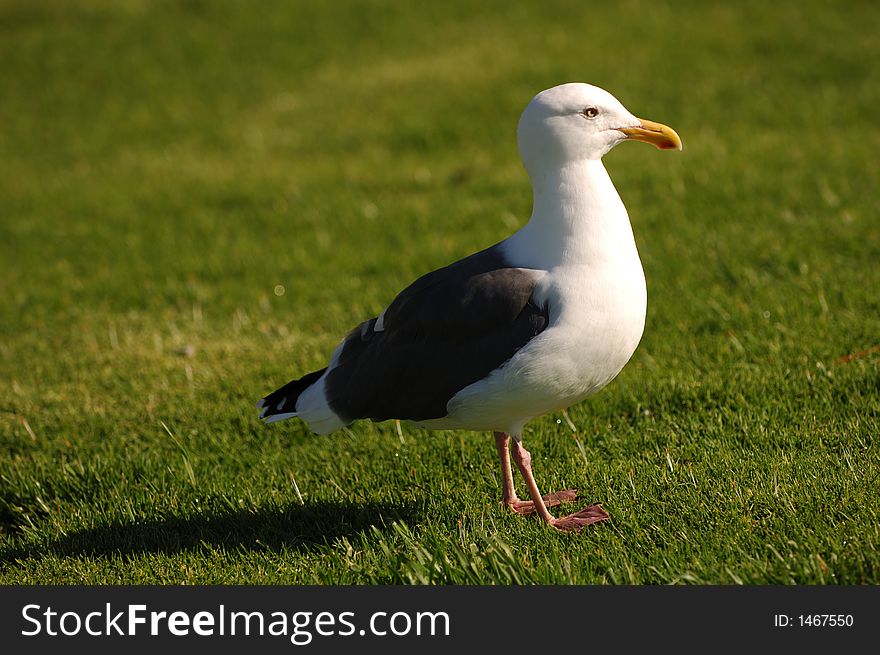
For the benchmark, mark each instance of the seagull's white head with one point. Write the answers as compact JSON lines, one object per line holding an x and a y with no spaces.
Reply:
{"x":579,"y":121}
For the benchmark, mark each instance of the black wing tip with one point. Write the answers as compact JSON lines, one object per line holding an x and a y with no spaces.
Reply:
{"x":281,"y":403}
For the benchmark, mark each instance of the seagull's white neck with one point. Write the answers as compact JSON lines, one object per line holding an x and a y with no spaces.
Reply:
{"x":578,"y":218}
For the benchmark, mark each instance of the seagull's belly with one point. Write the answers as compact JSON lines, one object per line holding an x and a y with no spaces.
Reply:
{"x":596,"y":323}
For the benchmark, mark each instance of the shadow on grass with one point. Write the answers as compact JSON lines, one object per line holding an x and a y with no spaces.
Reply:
{"x":297,"y":527}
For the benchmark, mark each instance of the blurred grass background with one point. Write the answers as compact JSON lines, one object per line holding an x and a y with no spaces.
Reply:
{"x":197,"y":199}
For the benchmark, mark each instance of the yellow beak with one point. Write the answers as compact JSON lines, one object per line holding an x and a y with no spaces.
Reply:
{"x":658,"y":134}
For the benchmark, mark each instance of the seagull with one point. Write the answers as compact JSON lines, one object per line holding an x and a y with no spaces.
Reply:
{"x":530,"y":325}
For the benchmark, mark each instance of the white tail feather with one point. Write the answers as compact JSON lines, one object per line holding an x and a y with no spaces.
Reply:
{"x":279,"y":417}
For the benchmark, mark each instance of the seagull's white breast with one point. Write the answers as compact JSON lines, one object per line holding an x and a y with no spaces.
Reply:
{"x":597,"y":316}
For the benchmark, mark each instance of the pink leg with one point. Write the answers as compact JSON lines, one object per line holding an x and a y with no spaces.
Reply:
{"x":508,"y":497}
{"x":508,"y":492}
{"x":571,"y":523}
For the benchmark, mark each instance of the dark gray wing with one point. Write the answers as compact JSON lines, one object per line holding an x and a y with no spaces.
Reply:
{"x":448,"y":329}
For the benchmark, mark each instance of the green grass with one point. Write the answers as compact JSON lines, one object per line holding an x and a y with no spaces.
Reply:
{"x":165,"y":166}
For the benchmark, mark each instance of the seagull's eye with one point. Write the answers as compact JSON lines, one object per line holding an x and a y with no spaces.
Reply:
{"x":590,"y":112}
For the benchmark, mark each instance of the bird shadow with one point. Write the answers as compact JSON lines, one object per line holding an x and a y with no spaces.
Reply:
{"x":296,"y":527}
